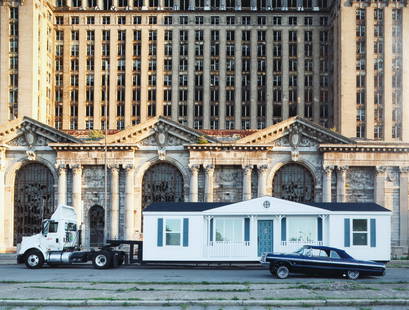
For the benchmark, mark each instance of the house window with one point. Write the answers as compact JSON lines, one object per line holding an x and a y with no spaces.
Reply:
{"x":360,"y":232}
{"x":172,"y":231}
{"x":228,"y":230}
{"x":302,"y":229}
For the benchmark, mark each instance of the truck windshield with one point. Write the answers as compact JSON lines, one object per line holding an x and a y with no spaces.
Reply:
{"x":70,"y":227}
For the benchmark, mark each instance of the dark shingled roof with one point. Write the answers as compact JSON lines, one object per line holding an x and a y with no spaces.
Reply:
{"x":349,"y":206}
{"x":184,"y":206}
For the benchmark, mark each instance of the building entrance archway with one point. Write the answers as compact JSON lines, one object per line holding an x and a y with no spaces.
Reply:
{"x":162,"y":182}
{"x":33,"y":199}
{"x":96,"y":225}
{"x":294,"y":182}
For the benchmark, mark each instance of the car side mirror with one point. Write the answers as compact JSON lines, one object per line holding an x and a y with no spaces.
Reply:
{"x":44,"y":227}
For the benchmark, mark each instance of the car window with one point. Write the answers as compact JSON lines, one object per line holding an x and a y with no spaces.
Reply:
{"x":334,"y":254}
{"x":317,"y":253}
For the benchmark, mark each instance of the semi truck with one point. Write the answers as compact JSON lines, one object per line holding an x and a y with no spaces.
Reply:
{"x":59,"y":243}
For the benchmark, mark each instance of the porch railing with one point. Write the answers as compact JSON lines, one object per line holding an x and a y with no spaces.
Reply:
{"x":228,"y":249}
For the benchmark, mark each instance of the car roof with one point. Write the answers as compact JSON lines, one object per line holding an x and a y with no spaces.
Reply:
{"x":321,"y":247}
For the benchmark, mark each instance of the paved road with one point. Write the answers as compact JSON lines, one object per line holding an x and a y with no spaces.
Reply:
{"x":159,"y":274}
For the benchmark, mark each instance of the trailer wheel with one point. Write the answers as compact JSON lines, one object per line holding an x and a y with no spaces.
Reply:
{"x":34,"y":259}
{"x":102,"y":260}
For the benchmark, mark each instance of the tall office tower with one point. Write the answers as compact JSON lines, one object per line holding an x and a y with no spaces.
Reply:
{"x":371,"y":69}
{"x":26,"y":60}
{"x":218,"y":64}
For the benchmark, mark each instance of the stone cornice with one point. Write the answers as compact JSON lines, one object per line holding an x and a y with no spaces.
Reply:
{"x":362,"y":148}
{"x":227,"y":147}
{"x":92,"y":147}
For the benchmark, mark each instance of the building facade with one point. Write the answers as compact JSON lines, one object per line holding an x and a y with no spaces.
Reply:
{"x":160,"y":160}
{"x":202,"y":101}
{"x":87,"y":64}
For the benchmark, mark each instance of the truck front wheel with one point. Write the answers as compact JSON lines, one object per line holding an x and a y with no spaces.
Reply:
{"x":34,"y":259}
{"x":102,"y":260}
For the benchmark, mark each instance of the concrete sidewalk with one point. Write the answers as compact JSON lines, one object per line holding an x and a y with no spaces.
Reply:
{"x":303,"y":294}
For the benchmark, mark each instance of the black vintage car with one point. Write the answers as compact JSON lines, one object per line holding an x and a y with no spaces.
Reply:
{"x":321,"y":260}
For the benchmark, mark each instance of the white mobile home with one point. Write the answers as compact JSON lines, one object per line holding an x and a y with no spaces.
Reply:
{"x":242,"y":231}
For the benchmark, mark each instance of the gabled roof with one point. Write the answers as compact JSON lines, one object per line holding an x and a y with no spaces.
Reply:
{"x":143,"y":130}
{"x":11,"y":130}
{"x":349,"y":206}
{"x":256,"y":206}
{"x":307,"y":128}
{"x":184,"y":206}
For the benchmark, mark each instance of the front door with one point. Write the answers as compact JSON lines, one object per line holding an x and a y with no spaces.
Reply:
{"x":265,"y":236}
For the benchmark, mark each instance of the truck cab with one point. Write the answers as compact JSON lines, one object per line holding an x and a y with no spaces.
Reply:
{"x":57,"y":234}
{"x":58,"y":243}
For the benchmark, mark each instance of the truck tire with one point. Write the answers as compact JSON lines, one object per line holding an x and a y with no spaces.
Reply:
{"x":102,"y":260}
{"x":34,"y":259}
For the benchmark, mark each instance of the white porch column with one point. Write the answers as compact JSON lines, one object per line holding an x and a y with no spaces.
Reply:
{"x":76,"y":193}
{"x":262,"y":172}
{"x":341,"y":181}
{"x":326,"y":184}
{"x":194,"y":176}
{"x":129,"y":204}
{"x":404,"y":206}
{"x":114,"y":202}
{"x":62,"y":185}
{"x":247,"y":182}
{"x":209,"y":173}
{"x":380,"y":185}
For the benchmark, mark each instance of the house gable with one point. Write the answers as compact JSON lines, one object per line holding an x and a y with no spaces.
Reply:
{"x":159,"y":131}
{"x":29,"y":132}
{"x":267,"y":206}
{"x":295,"y":132}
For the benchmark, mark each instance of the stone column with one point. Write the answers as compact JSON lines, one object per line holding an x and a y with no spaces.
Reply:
{"x":285,"y":77}
{"x":379,"y":194}
{"x":191,"y":5}
{"x":129,"y":204}
{"x":237,"y":78}
{"x":194,"y":182}
{"x":3,"y":232}
{"x":262,"y":176}
{"x":247,"y":182}
{"x":62,"y":185}
{"x":341,"y":181}
{"x":253,"y":80}
{"x":84,"y":4}
{"x":175,"y":75}
{"x":404,"y":206}
{"x":100,"y":4}
{"x":326,"y":186}
{"x":76,"y":193}
{"x":114,"y":202}
{"x":209,"y":173}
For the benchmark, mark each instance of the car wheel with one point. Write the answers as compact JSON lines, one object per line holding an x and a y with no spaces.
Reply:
{"x":282,"y":272}
{"x":352,"y":274}
{"x":102,"y":260}
{"x":34,"y":259}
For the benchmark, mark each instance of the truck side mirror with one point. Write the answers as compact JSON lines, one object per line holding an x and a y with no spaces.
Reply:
{"x":44,"y":227}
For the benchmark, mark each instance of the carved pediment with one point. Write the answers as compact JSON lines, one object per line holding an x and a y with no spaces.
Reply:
{"x":295,"y":132}
{"x":159,"y":132}
{"x":28,"y":132}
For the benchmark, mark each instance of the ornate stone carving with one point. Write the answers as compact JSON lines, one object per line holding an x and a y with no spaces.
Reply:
{"x":93,"y":177}
{"x":302,"y":142}
{"x":31,"y":155}
{"x":392,"y":175}
{"x":404,"y":169}
{"x":262,"y":168}
{"x":247,"y":169}
{"x":328,"y":170}
{"x":380,"y":169}
{"x":194,"y":169}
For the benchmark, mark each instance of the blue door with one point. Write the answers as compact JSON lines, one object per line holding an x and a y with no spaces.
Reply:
{"x":265,"y":236}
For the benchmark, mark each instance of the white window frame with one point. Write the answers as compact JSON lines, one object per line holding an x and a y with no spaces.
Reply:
{"x":240,"y":238}
{"x":180,"y":232}
{"x":360,"y":232}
